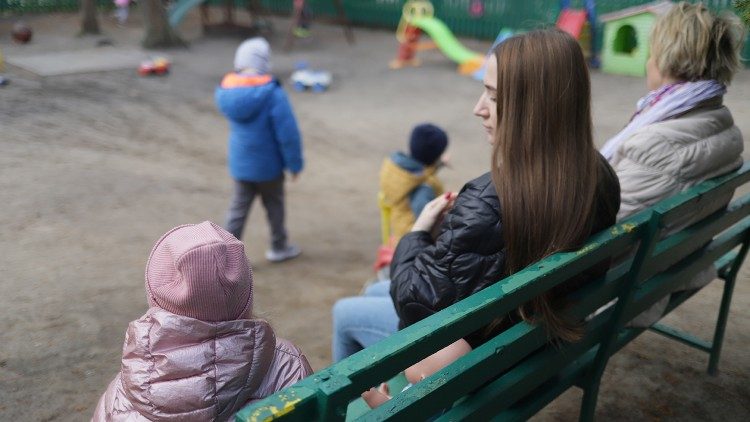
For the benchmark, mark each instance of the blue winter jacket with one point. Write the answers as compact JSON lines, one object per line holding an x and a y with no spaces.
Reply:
{"x":264,"y":139}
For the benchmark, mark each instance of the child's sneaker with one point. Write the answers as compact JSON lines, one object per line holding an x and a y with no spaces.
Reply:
{"x":290,"y":252}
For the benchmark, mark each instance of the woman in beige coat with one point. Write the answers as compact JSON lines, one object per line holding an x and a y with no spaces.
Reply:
{"x":681,"y":133}
{"x":197,"y":354}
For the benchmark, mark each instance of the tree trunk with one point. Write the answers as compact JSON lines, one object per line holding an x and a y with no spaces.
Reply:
{"x":158,"y":32}
{"x":89,"y":23}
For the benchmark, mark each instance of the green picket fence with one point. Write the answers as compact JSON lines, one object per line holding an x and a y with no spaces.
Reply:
{"x":525,"y":14}
{"x":614,"y":5}
{"x":514,"y":14}
{"x":8,"y":7}
{"x":498,"y":14}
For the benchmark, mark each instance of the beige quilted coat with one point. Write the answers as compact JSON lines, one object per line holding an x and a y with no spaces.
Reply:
{"x":663,"y":159}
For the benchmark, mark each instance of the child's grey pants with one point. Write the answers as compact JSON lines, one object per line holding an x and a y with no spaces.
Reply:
{"x":272,"y":195}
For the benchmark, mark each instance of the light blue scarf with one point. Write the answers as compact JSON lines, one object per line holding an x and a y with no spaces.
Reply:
{"x":663,"y":104}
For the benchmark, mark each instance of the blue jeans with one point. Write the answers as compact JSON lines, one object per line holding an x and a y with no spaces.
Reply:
{"x":361,"y":321}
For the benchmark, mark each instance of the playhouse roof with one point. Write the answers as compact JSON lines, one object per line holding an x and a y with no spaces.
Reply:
{"x":657,"y":8}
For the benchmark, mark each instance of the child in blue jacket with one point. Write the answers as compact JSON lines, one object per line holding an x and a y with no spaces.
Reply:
{"x":264,"y":141}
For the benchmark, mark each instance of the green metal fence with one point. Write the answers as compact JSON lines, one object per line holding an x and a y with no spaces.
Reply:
{"x":614,"y":5}
{"x":514,"y":14}
{"x":497,"y":14}
{"x":8,"y":7}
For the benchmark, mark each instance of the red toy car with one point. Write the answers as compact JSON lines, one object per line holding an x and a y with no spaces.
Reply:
{"x":157,"y":66}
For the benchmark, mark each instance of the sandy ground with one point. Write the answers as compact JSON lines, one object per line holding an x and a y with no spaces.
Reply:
{"x":95,"y":167}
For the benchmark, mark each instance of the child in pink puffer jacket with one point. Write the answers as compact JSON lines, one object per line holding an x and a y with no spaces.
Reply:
{"x":198,"y":354}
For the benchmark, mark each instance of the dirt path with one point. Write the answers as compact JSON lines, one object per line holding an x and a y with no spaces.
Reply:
{"x":94,"y":167}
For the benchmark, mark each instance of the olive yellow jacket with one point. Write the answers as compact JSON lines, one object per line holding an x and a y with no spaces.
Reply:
{"x":396,"y":186}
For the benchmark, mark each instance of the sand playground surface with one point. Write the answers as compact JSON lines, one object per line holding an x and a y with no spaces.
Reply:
{"x":95,"y":166}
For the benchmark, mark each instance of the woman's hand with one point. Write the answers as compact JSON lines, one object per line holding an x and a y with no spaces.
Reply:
{"x":432,"y":214}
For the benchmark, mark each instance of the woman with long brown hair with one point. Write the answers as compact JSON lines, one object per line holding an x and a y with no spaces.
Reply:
{"x":548,"y":191}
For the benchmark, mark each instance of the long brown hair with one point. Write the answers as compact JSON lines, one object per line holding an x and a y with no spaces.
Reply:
{"x":544,"y":165}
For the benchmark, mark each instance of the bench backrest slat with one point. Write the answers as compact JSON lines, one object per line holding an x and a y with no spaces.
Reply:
{"x":709,"y":192}
{"x":670,"y":249}
{"x":660,"y":285}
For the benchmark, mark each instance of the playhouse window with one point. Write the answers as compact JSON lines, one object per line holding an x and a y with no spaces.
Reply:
{"x":625,"y":40}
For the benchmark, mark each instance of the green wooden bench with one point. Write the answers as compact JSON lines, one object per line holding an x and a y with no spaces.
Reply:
{"x":514,"y":375}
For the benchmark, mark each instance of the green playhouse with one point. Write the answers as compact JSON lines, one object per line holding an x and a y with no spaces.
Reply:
{"x":627,"y":34}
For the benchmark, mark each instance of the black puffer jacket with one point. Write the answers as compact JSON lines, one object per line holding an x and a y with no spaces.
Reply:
{"x":469,"y":253}
{"x":467,"y":256}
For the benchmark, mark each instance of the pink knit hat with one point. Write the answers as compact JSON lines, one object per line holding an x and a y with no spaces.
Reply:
{"x":200,"y":271}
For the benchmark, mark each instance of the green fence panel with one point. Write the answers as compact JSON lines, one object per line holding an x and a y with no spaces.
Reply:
{"x":277,"y":6}
{"x":615,"y":5}
{"x":382,"y":13}
{"x":516,"y":15}
{"x":498,"y":14}
{"x":8,"y":7}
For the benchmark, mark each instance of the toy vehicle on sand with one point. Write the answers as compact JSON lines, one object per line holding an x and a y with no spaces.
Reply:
{"x":305,"y":78}
{"x":156,"y":66}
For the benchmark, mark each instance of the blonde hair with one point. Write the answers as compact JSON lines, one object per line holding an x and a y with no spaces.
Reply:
{"x":691,"y":43}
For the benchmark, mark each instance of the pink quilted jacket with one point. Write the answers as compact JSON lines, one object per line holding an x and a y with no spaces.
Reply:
{"x":179,"y":368}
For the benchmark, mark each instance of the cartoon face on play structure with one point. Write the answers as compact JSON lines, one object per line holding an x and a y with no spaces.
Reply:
{"x":418,"y":9}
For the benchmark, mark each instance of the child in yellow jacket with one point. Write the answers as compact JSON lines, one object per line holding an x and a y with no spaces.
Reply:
{"x":409,"y":181}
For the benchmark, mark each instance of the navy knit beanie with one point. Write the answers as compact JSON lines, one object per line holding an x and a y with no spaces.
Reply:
{"x":427,"y":143}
